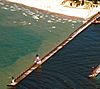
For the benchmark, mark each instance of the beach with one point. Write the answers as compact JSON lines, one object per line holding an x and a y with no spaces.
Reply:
{"x":56,"y":7}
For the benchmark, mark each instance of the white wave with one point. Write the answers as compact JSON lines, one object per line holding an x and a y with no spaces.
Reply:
{"x":35,"y":17}
{"x":24,"y":14}
{"x":52,"y":16}
{"x":23,"y":23}
{"x":49,"y":21}
{"x":5,"y":8}
{"x":2,"y":3}
{"x":14,"y":21}
{"x":58,"y":20}
{"x":70,"y":20}
{"x":12,"y":9}
{"x":7,"y":5}
{"x":25,"y":10}
{"x":63,"y":22}
{"x":50,"y":31}
{"x":65,"y":19}
{"x":74,"y":21}
{"x":79,"y":20}
{"x":46,"y":15}
{"x":17,"y":8}
{"x":30,"y":12}
{"x":53,"y":27}
{"x":29,"y":23}
{"x":52,"y":19}
{"x":41,"y":16}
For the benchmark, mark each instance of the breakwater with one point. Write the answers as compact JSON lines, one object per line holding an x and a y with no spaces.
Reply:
{"x":71,"y":37}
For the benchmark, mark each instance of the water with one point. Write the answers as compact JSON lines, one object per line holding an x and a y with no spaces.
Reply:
{"x":69,"y":68}
{"x":25,"y":32}
{"x":21,"y":27}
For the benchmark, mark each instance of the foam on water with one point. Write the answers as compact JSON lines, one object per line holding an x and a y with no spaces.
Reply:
{"x":24,"y":14}
{"x":1,"y":3}
{"x":53,"y":27}
{"x":49,"y":21}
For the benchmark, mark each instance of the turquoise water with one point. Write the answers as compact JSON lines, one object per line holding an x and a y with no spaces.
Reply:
{"x":24,"y":32}
{"x":69,"y":68}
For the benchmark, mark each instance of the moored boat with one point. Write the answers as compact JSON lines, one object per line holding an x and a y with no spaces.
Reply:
{"x":95,"y":72}
{"x":97,"y":20}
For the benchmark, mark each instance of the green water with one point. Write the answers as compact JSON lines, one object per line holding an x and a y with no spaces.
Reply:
{"x":24,"y":32}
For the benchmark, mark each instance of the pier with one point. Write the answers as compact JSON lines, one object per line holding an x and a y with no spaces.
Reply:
{"x":24,"y":74}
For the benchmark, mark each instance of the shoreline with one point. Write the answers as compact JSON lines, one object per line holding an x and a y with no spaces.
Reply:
{"x":55,"y":7}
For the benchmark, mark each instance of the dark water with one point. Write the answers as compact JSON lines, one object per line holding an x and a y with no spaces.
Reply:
{"x":69,"y":68}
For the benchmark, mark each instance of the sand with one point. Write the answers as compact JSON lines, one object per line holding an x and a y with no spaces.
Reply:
{"x":56,"y":7}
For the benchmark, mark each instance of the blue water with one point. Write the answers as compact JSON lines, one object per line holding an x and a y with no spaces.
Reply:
{"x":69,"y":68}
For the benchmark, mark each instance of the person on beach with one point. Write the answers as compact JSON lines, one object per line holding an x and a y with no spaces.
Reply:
{"x":37,"y":60}
{"x":13,"y":80}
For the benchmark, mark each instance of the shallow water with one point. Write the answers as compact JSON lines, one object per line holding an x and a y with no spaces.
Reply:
{"x":24,"y":32}
{"x":69,"y":68}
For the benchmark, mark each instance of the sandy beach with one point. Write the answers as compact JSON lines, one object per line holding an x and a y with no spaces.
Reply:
{"x":56,"y":7}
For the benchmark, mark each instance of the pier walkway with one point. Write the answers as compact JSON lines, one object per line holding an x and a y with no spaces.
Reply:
{"x":24,"y":74}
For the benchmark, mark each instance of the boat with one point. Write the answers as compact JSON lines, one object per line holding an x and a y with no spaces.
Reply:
{"x":97,"y":20}
{"x":95,"y":72}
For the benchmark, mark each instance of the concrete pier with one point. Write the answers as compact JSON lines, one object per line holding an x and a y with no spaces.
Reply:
{"x":24,"y":74}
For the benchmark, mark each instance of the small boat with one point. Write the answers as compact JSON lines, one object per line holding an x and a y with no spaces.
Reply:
{"x":95,"y":72}
{"x":97,"y":20}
